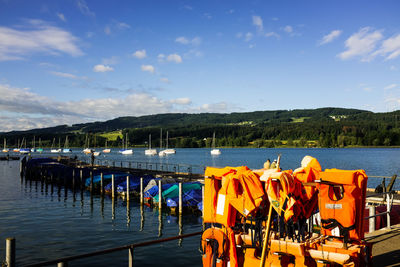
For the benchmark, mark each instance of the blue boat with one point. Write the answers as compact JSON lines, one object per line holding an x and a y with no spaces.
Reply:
{"x":191,"y":198}
{"x":134,"y":184}
{"x":173,"y":191}
{"x":106,"y":178}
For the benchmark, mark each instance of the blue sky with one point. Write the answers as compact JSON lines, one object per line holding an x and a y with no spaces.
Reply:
{"x":72,"y":61}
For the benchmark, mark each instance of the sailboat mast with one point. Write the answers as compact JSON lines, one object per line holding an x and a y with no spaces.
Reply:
{"x":166,"y":147}
{"x":149,"y":141}
{"x":161,"y":139}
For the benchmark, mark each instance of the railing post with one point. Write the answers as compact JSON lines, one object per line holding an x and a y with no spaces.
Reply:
{"x":91,"y":181}
{"x":180,"y":199}
{"x":159,"y":195}
{"x":10,"y":252}
{"x":81,"y":176}
{"x":62,"y":264}
{"x":372,"y":219}
{"x":130,"y":257}
{"x":102,"y":183}
{"x":141,"y":191}
{"x":112,"y":186}
{"x":388,"y":197}
{"x":127,"y":188}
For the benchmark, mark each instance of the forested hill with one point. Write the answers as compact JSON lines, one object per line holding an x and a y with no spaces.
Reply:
{"x":324,"y":127}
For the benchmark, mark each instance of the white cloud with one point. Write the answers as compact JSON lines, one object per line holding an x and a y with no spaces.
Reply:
{"x":258,"y":22}
{"x":390,"y":48}
{"x":288,"y":29}
{"x":393,"y":68}
{"x":64,"y":75}
{"x":330,"y":37}
{"x":41,"y":37}
{"x":26,"y":109}
{"x":83,"y":7}
{"x":165,"y":80}
{"x":207,"y":15}
{"x":102,"y":68}
{"x":122,"y":25}
{"x":272,"y":34}
{"x":181,"y":101}
{"x":110,"y":61}
{"x":148,"y":68}
{"x":390,"y":86}
{"x":161,"y":57}
{"x":107,"y":30}
{"x":174,"y":58}
{"x":140,"y":54}
{"x":61,"y":17}
{"x":248,"y":37}
{"x":361,"y":44}
{"x":184,"y":40}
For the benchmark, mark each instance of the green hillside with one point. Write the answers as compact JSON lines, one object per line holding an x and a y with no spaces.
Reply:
{"x":323,"y":127}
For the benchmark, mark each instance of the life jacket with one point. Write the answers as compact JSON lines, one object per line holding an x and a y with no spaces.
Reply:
{"x":215,"y":248}
{"x":280,"y":189}
{"x":341,"y":203}
{"x":307,"y":173}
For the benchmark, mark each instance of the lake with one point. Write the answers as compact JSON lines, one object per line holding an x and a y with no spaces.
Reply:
{"x":49,"y":224}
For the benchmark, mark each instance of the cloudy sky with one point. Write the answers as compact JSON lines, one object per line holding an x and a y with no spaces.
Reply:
{"x":72,"y":61}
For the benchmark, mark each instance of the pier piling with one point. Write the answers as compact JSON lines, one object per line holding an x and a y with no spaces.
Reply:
{"x":180,"y":198}
{"x":101,"y":183}
{"x":141,"y":191}
{"x":127,"y":188}
{"x":159,"y":195}
{"x":112,"y":186}
{"x":10,"y":252}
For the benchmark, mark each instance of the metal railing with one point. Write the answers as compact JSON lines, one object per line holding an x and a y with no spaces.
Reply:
{"x":387,"y":197}
{"x":10,"y":259}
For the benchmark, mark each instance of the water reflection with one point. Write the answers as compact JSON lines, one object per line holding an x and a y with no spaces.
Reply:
{"x":141,"y":217}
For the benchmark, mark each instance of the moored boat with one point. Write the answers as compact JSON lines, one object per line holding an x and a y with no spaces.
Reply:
{"x":150,"y":151}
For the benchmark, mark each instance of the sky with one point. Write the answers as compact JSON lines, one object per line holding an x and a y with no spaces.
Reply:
{"x":74,"y":61}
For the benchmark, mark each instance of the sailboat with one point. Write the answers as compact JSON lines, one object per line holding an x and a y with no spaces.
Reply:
{"x":5,"y":149}
{"x":66,"y":148}
{"x":214,"y":151}
{"x":150,"y":151}
{"x":106,"y":150}
{"x":87,"y":150}
{"x":125,"y":150}
{"x":167,"y":150}
{"x":24,"y":150}
{"x":17,"y":148}
{"x":54,"y":150}
{"x":40,"y":149}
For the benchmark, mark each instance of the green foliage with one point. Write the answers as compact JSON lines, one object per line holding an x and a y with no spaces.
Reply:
{"x":324,"y":127}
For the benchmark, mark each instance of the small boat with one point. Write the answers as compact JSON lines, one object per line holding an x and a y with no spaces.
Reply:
{"x":66,"y":148}
{"x":167,"y":150}
{"x":125,"y":150}
{"x":96,"y":153}
{"x":214,"y":151}
{"x":24,"y":150}
{"x":106,"y":150}
{"x":39,"y":149}
{"x":150,"y":151}
{"x":87,"y":150}
{"x":54,"y":150}
{"x":5,"y":149}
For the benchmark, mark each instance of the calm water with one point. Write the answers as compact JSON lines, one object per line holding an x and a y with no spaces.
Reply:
{"x":48,"y":224}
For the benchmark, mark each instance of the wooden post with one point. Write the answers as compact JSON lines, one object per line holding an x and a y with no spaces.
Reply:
{"x":112,"y":186}
{"x":130,"y":257}
{"x":62,"y":264}
{"x":81,"y":176}
{"x":388,"y":197}
{"x":101,"y":183}
{"x":73,"y":178}
{"x":10,"y":252}
{"x":180,"y":199}
{"x":372,"y":219}
{"x":159,"y":195}
{"x":91,"y":181}
{"x":127,"y":188}
{"x":141,"y":191}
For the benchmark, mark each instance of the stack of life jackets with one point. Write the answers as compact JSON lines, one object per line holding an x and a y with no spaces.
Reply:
{"x":228,"y":191}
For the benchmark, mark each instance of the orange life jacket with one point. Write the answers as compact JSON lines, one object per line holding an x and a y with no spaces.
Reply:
{"x":308,"y":172}
{"x":215,"y":248}
{"x":341,"y":203}
{"x":281,"y":188}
